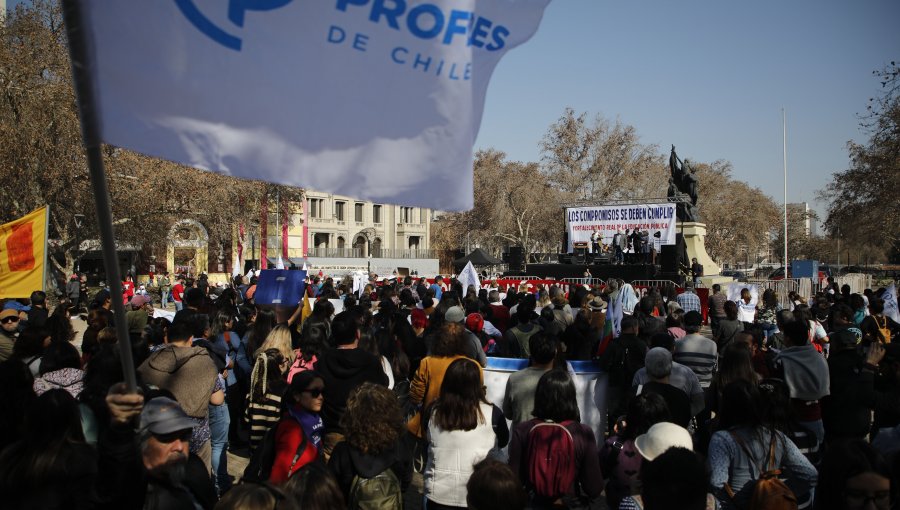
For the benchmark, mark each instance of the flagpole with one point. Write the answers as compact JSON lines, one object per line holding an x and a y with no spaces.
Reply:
{"x":90,"y":131}
{"x":46,"y":248}
{"x":784,"y":161}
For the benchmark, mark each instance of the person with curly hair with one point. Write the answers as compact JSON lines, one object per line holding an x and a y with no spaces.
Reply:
{"x":373,"y":425}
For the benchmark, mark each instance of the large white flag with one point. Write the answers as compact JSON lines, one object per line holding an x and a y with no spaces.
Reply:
{"x":378,"y":100}
{"x":469,"y":276}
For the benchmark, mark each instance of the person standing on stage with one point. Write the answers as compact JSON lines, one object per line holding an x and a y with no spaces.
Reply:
{"x":595,"y":242}
{"x":619,"y":243}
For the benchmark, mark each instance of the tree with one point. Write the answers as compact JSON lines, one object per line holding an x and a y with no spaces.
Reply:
{"x":42,"y":160}
{"x":863,"y":204}
{"x":738,"y":217}
{"x":514,"y":205}
{"x":601,"y":161}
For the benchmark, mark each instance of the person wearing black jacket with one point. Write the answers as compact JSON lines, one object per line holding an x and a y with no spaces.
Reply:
{"x":624,"y":356}
{"x":343,"y":369}
{"x":846,"y":412}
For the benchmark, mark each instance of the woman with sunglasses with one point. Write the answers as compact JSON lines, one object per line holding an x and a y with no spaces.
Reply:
{"x":298,"y":436}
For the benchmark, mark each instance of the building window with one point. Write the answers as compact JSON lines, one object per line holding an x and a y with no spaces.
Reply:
{"x":406,"y":214}
{"x":339,"y":211}
{"x":358,"y":213}
{"x":316,"y":207}
{"x":376,"y":214}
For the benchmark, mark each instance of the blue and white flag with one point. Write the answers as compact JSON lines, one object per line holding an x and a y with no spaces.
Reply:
{"x":890,"y":303}
{"x":372,"y":99}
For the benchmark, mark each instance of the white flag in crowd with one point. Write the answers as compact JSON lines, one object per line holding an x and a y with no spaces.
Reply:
{"x":890,"y":303}
{"x":279,"y":264}
{"x":469,"y":276}
{"x":376,"y":100}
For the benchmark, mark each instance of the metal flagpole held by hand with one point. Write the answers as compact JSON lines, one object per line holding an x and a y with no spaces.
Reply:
{"x":90,"y":131}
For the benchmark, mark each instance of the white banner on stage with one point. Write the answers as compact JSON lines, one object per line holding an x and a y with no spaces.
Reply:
{"x":659,"y":219}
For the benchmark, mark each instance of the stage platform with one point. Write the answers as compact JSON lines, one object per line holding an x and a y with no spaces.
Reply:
{"x":627,"y":272}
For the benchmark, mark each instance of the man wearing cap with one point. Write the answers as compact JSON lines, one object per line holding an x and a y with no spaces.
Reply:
{"x":688,"y":300}
{"x":681,"y":377}
{"x":151,"y":467}
{"x":9,"y":330}
{"x":695,"y":351}
{"x":474,"y":350}
{"x":658,"y":364}
{"x":137,"y":317}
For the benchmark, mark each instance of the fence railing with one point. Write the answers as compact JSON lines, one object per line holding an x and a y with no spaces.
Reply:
{"x":382,"y":253}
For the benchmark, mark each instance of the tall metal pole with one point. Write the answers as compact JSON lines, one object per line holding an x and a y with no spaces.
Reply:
{"x":90,"y":132}
{"x":784,"y":156}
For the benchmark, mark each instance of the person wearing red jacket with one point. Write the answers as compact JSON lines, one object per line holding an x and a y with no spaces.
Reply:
{"x":298,"y":436}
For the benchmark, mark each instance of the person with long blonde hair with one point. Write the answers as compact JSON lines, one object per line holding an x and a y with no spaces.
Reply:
{"x":279,"y":338}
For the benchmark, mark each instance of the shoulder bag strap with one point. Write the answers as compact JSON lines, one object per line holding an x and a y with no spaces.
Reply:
{"x":746,"y":449}
{"x":299,"y":453}
{"x":770,"y":462}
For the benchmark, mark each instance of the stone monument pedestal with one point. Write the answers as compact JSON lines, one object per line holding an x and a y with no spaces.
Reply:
{"x":694,"y":243}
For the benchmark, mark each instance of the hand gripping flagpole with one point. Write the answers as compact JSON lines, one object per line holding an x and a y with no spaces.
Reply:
{"x":90,"y":131}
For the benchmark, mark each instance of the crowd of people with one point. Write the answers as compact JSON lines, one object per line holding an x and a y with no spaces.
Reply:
{"x":794,"y":407}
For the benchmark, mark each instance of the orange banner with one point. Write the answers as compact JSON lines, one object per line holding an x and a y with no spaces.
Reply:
{"x":23,"y":255}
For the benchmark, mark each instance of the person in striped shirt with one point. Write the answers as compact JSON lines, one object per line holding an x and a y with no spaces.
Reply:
{"x":695,"y":351}
{"x":267,"y":385}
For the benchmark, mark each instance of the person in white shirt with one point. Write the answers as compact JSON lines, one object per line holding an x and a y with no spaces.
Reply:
{"x":747,"y":306}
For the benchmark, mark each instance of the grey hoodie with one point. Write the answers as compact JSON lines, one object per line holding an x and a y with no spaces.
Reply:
{"x":187,"y":372}
{"x":805,"y":372}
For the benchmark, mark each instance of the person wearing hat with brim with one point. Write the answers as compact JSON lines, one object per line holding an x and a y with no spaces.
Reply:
{"x":151,"y":467}
{"x":660,"y":437}
{"x":9,"y":331}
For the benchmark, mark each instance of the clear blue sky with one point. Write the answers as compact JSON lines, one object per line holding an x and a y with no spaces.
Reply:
{"x":709,"y":76}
